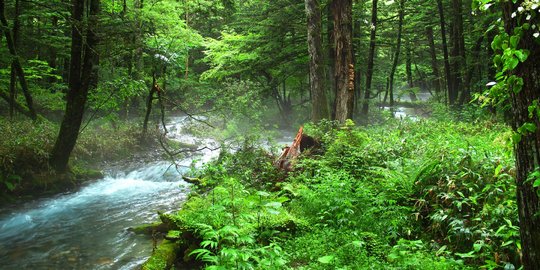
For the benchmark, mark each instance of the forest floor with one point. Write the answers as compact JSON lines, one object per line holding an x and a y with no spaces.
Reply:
{"x":433,"y":193}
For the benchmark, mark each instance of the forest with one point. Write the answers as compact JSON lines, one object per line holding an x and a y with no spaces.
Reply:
{"x":258,"y":134}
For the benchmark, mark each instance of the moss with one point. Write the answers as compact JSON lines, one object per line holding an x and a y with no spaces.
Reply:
{"x":163,"y":256}
{"x":84,"y":173}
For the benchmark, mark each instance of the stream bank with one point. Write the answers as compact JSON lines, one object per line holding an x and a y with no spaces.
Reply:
{"x":87,"y":228}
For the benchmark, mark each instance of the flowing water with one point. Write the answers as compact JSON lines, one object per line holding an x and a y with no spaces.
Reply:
{"x":87,"y":228}
{"x":402,"y":112}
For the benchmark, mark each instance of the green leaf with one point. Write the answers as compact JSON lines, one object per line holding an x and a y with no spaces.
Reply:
{"x":522,"y":55}
{"x":467,"y":255}
{"x":514,"y":40}
{"x":511,"y":63}
{"x":498,"y":170}
{"x":496,"y":43}
{"x":273,"y":204}
{"x":516,"y":138}
{"x":10,"y":186}
{"x":326,"y":259}
{"x":507,"y":243}
{"x":477,"y":246}
{"x":441,"y":250}
{"x":497,"y":60}
{"x":527,"y":128}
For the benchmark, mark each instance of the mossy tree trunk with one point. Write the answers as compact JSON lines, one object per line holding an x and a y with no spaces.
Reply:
{"x":319,"y":102}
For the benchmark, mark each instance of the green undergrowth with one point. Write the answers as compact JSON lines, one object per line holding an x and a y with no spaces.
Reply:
{"x":26,"y":145}
{"x":430,"y":194}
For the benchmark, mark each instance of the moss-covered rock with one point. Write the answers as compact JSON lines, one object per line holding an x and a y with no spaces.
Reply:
{"x":163,"y":257}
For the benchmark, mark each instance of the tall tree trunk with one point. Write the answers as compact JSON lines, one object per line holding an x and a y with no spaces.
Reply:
{"x":398,"y":49}
{"x":458,"y":52}
{"x":475,"y":53}
{"x":149,"y":101}
{"x":445,"y":48}
{"x":371,"y":58}
{"x":16,"y":64}
{"x":319,"y":102}
{"x":408,"y":70}
{"x":357,"y":33}
{"x":344,"y":67}
{"x":124,"y":8}
{"x":491,"y":68}
{"x":82,"y":72}
{"x":330,"y":55}
{"x":527,"y":150}
{"x":436,"y":82}
{"x":13,"y":77}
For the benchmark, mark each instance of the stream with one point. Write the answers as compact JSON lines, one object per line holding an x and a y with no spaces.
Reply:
{"x":402,"y":112}
{"x":87,"y":228}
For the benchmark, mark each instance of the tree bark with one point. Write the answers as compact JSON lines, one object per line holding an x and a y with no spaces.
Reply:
{"x":527,"y":150}
{"x":344,"y":67}
{"x":16,"y":64}
{"x":331,"y":91}
{"x":371,"y":58}
{"x":447,"y":72}
{"x":13,"y":77}
{"x":149,"y":100}
{"x":458,"y":53}
{"x":436,"y":82}
{"x":398,"y":49}
{"x":319,"y":102}
{"x":475,"y":53}
{"x":408,"y":70}
{"x":82,"y":73}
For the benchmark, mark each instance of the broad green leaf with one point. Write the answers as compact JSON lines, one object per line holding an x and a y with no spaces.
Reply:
{"x":521,"y":55}
{"x":326,"y":259}
{"x":527,"y":128}
{"x":496,"y":43}
{"x":514,"y":40}
{"x":511,"y":63}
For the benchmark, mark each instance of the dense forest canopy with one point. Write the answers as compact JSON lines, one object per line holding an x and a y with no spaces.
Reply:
{"x":88,"y":81}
